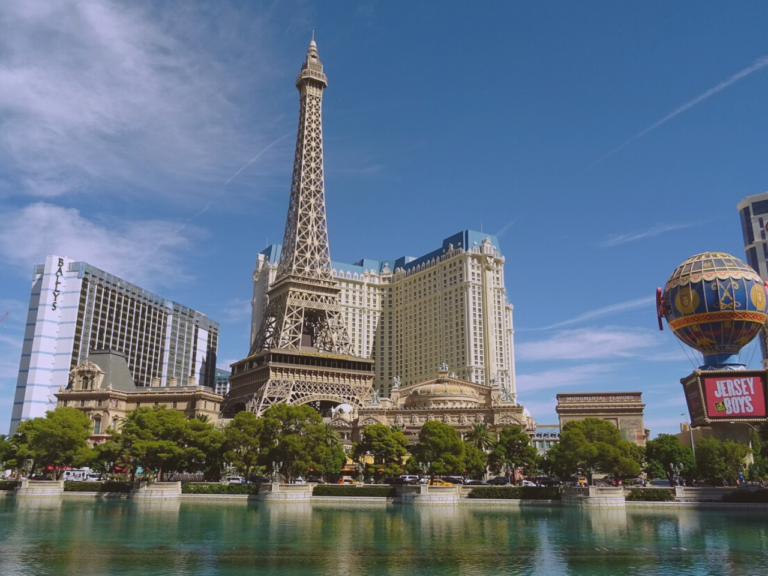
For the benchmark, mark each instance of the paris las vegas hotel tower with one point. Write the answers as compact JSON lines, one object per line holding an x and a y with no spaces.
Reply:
{"x":324,"y":330}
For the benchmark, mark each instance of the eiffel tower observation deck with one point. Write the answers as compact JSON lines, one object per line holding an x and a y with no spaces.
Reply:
{"x":301,"y":353}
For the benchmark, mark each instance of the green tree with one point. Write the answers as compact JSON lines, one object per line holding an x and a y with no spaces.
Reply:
{"x":672,"y":456}
{"x":242,"y":441}
{"x":480,"y":437}
{"x":292,"y":439}
{"x":594,"y":445}
{"x":155,"y":439}
{"x":441,"y":448}
{"x":386,"y":447}
{"x":203,"y":445}
{"x":475,"y":461}
{"x":332,"y":460}
{"x":58,"y":440}
{"x":710,"y":460}
{"x":5,"y":449}
{"x":654,"y":469}
{"x":513,"y":450}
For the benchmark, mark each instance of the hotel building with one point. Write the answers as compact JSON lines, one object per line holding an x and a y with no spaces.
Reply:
{"x":753,"y":211}
{"x":412,"y":315}
{"x":75,"y":308}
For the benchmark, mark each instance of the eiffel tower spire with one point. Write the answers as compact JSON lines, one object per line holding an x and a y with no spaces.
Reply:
{"x":305,"y":242}
{"x":303,"y":306}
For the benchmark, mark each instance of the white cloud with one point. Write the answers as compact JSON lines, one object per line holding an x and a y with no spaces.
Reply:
{"x":651,"y":232}
{"x":118,"y":248}
{"x":238,"y":310}
{"x":531,"y":383}
{"x":103,"y":95}
{"x":647,"y":302}
{"x":588,"y":344}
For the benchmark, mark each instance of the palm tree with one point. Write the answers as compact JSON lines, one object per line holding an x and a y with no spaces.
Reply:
{"x":480,"y":437}
{"x":203,"y":417}
{"x":330,"y":436}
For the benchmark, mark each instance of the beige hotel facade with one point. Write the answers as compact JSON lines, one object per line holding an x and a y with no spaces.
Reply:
{"x":412,"y":315}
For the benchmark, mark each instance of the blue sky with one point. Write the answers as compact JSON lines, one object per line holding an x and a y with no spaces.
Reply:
{"x":602,"y":142}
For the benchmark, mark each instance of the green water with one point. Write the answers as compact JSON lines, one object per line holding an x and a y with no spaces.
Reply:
{"x":119,"y":537}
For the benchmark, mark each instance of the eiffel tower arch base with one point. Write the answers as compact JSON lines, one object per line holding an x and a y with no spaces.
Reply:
{"x":298,"y":377}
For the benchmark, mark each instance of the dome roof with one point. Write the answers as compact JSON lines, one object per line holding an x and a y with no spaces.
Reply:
{"x":443,"y":394}
{"x":444,"y":389}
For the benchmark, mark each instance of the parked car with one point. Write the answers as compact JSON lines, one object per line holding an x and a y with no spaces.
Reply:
{"x":235,"y":480}
{"x":527,"y":483}
{"x":439,"y":482}
{"x":454,"y":479}
{"x":660,"y":482}
{"x":409,"y":478}
{"x":345,"y":480}
{"x":499,"y":481}
{"x":474,"y":483}
{"x":315,"y":480}
{"x":259,"y":480}
{"x":393,"y":481}
{"x":547,"y":481}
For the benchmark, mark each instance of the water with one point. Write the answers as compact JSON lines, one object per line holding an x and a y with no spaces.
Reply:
{"x":120,"y":537}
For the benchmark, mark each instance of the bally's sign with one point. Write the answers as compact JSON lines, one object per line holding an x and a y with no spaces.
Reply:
{"x":56,"y":291}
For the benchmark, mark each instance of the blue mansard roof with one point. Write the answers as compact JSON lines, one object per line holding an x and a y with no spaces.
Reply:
{"x":466,"y":239}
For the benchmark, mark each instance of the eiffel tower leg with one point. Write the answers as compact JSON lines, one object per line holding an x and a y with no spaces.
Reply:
{"x":273,"y":392}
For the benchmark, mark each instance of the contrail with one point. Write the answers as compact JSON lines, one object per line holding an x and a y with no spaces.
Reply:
{"x":758,"y":64}
{"x":217,"y":196}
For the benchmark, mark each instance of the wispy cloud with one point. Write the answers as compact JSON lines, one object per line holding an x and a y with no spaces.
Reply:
{"x":503,"y":230}
{"x":636,"y":304}
{"x":588,"y":344}
{"x":651,"y":232}
{"x":586,"y":373}
{"x":99,"y":96}
{"x":758,"y":64}
{"x":238,"y":310}
{"x":115,"y":246}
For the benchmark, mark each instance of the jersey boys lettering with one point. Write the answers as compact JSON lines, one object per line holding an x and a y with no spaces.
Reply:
{"x":729,"y":397}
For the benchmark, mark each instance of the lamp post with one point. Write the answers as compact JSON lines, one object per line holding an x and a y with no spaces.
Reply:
{"x":690,"y":431}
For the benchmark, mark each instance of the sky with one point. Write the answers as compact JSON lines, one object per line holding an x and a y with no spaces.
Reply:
{"x":603,"y":143}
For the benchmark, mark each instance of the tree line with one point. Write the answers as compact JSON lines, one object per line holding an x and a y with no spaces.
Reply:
{"x":292,"y":441}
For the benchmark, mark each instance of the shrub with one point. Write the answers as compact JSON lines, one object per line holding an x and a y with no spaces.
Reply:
{"x":516,"y":493}
{"x":219,"y":488}
{"x":97,"y":487}
{"x":8,"y":485}
{"x":651,"y":495}
{"x":747,"y":496}
{"x":375,"y":491}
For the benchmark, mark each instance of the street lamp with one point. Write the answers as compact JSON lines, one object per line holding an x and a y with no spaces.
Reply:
{"x":690,"y":431}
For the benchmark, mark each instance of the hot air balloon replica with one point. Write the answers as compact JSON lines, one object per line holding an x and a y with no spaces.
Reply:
{"x":716,"y":304}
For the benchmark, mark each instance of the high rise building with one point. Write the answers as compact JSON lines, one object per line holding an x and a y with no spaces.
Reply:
{"x":411,"y":315}
{"x":754,"y":225}
{"x":221,"y":382}
{"x":753,"y":211}
{"x":75,"y":308}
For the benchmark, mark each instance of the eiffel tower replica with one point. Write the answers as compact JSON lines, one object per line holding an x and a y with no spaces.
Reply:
{"x":301,"y":353}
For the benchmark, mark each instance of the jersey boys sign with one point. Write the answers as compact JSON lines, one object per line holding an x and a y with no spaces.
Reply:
{"x":734,"y":396}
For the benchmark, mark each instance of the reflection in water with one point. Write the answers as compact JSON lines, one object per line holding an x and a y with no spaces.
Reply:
{"x":123,"y":537}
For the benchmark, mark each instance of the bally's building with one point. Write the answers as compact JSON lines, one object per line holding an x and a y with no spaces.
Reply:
{"x":75,"y":308}
{"x":412,"y":315}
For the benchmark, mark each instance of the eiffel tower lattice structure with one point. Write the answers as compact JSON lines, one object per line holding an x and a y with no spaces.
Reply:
{"x":301,"y":353}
